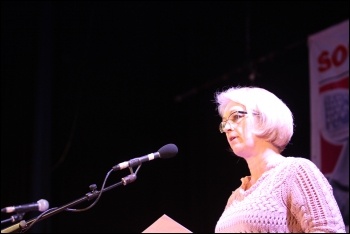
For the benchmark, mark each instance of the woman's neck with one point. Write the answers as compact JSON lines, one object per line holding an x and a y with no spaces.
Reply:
{"x":260,"y":163}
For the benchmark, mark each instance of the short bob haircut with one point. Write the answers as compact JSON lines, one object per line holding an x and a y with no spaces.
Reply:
{"x":274,"y":119}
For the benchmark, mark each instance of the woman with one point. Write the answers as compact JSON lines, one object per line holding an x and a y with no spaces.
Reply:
{"x":282,"y":194}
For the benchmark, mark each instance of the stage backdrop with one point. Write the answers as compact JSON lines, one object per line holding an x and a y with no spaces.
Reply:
{"x":329,"y":101}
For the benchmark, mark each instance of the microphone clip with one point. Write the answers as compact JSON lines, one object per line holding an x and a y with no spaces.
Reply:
{"x":129,"y":178}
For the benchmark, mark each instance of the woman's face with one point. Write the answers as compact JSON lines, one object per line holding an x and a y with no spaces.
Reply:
{"x":238,"y":129}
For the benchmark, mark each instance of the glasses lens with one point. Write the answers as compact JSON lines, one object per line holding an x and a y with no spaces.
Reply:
{"x":234,"y":118}
{"x":222,"y":126}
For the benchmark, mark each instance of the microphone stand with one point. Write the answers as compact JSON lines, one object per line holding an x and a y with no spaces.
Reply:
{"x":23,"y":225}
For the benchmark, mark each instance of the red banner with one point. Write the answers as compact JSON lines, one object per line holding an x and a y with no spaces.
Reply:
{"x":329,"y":102}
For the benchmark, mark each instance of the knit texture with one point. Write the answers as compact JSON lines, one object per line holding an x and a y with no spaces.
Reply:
{"x":291,"y":196}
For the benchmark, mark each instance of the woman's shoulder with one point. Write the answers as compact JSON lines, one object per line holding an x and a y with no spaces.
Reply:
{"x":302,"y":167}
{"x":295,"y":161}
{"x":293,"y":165}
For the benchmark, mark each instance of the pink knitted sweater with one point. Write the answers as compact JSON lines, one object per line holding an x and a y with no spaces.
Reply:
{"x":291,"y":196}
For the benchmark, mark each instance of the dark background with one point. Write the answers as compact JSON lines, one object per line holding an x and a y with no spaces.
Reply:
{"x":86,"y":85}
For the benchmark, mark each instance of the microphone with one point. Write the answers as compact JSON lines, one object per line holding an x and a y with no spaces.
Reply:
{"x":40,"y":205}
{"x":167,"y":151}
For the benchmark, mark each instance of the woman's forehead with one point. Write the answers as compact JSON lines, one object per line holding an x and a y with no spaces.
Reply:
{"x":231,"y":107}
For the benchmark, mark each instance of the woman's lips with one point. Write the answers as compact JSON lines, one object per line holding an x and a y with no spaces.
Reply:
{"x":232,"y":138}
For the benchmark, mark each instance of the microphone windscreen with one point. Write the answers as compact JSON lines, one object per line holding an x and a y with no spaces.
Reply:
{"x":43,"y":205}
{"x":168,"y":151}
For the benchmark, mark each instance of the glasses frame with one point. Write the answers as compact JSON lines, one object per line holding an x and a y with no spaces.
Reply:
{"x":222,"y":125}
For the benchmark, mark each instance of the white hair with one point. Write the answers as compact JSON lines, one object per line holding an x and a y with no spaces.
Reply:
{"x":275,"y":120}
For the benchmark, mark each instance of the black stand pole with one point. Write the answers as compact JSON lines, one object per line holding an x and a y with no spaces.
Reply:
{"x":23,"y":225}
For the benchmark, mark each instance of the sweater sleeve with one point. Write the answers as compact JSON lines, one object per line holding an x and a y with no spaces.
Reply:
{"x":311,"y":199}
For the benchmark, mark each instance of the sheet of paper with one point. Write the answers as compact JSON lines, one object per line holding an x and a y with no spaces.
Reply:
{"x":165,"y":224}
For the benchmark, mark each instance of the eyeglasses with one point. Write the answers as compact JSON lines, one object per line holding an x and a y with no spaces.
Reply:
{"x":235,"y":117}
